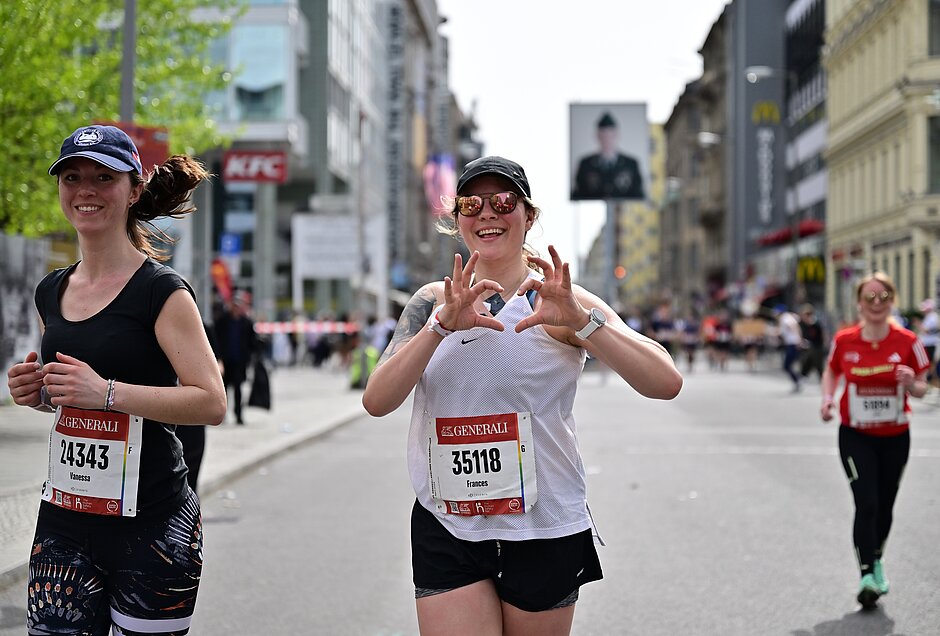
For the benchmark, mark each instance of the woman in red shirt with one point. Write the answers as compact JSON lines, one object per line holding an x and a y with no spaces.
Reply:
{"x":883,"y":363}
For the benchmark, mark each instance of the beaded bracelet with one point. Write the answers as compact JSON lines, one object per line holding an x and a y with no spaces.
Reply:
{"x":109,"y":398}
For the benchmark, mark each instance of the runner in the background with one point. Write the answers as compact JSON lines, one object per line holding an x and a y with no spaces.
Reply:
{"x":882,"y":363}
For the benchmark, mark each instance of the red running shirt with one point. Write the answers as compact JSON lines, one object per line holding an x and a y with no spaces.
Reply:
{"x":873,"y":402}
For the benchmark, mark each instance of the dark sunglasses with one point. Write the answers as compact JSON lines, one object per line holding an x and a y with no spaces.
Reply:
{"x":500,"y":202}
{"x":871,"y":297}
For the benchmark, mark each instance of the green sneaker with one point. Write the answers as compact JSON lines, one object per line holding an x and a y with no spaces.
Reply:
{"x":868,"y":591}
{"x":878,"y":571}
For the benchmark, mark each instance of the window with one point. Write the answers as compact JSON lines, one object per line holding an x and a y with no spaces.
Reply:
{"x":259,"y":56}
{"x":910,"y":279}
{"x":926,"y":266}
{"x":933,"y":24}
{"x":217,"y":100}
{"x":934,"y":132}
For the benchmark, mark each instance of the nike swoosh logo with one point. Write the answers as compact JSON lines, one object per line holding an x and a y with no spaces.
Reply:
{"x":468,"y":341}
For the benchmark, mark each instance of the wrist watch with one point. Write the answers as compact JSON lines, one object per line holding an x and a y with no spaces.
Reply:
{"x":435,"y":324}
{"x":596,"y":320}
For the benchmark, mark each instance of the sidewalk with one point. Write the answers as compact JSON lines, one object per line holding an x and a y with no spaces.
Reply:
{"x":307,"y":403}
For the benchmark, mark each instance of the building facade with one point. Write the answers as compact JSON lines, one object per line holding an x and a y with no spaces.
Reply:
{"x":807,"y":136}
{"x":883,"y":65}
{"x":354,"y":95}
{"x":638,"y":244}
{"x":682,"y":233}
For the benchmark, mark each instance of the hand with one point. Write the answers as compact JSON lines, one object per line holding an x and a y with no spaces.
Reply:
{"x":905,"y":376}
{"x":559,"y":307}
{"x":71,"y":382}
{"x":462,"y":306}
{"x":825,"y":410}
{"x":25,"y":381}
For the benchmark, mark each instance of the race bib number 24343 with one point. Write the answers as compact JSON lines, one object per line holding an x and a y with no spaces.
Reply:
{"x":94,"y":461}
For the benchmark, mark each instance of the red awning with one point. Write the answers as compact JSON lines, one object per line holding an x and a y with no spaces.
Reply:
{"x":807,"y":227}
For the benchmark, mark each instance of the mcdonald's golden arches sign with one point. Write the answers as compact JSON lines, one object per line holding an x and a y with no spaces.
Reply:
{"x":765,"y":112}
{"x":811,"y":269}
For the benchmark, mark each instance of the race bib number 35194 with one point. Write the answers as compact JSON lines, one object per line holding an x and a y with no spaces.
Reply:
{"x":482,"y":465}
{"x":94,"y":461}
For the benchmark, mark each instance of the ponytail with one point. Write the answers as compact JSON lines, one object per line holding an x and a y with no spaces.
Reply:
{"x":166,"y":194}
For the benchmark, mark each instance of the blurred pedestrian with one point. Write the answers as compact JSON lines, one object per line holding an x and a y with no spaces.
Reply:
{"x":813,"y":355}
{"x":238,"y":343}
{"x":501,"y":533}
{"x":690,"y":327}
{"x":723,"y":339}
{"x":882,"y":364}
{"x":791,"y":339}
{"x":124,"y":358}
{"x":749,"y":336}
{"x":663,"y":329}
{"x":929,"y":333}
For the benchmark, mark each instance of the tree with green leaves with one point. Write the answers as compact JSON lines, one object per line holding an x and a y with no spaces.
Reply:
{"x":60,"y":68}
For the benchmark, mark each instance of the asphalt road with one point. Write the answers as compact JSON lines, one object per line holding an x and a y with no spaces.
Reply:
{"x":724,"y":512}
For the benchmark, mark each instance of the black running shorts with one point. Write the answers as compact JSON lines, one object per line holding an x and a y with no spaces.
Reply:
{"x":533,"y":575}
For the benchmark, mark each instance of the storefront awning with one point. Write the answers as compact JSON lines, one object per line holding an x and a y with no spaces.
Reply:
{"x":807,"y":227}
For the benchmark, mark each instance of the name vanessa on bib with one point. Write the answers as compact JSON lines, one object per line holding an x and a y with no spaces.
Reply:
{"x":482,"y":465}
{"x":94,"y":461}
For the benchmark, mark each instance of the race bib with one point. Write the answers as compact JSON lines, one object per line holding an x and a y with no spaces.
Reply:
{"x":873,"y":405}
{"x":94,"y":461}
{"x":483,"y":465}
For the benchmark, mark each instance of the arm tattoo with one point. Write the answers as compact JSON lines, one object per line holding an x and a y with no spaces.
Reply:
{"x":413,"y":319}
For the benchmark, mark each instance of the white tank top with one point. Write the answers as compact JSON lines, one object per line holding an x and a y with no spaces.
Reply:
{"x":483,"y":372}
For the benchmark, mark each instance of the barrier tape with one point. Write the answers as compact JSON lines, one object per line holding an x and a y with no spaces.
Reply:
{"x":311,"y":326}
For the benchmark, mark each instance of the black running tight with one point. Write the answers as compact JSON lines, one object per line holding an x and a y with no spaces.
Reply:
{"x":874,"y":466}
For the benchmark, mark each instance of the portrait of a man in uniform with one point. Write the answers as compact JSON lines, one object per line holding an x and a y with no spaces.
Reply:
{"x":608,"y":173}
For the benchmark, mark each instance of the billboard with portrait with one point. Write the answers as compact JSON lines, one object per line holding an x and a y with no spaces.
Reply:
{"x":609,"y":152}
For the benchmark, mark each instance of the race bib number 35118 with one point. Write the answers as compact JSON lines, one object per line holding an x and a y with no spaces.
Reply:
{"x":94,"y":461}
{"x":482,"y":465}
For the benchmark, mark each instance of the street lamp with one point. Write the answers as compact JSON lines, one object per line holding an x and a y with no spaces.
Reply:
{"x":706,"y":139}
{"x":754,"y":74}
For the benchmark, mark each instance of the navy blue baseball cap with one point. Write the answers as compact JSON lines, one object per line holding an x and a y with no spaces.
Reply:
{"x":108,"y":145}
{"x":495,"y":165}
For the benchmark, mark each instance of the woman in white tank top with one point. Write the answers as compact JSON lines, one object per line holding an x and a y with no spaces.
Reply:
{"x":493,"y":353}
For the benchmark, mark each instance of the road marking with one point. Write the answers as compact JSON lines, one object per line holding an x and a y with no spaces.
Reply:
{"x":931,"y":453}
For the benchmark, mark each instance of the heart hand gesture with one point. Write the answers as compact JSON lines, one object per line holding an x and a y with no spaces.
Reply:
{"x":462,"y":307}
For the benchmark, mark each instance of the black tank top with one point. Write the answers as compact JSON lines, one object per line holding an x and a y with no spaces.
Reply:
{"x":119,"y":342}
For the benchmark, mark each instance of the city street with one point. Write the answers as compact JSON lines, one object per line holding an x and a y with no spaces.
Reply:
{"x":725,"y":512}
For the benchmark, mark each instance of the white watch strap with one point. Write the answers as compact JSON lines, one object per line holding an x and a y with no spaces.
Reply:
{"x":435,"y":324}
{"x":592,"y":326}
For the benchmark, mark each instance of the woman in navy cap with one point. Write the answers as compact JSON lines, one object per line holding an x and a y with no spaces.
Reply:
{"x":502,"y":538}
{"x":124,"y":359}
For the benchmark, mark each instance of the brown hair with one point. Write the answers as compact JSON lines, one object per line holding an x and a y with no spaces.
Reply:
{"x":878,"y":276}
{"x":166,"y":193}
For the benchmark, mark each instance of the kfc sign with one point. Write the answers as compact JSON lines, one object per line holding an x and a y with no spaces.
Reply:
{"x":255,"y":166}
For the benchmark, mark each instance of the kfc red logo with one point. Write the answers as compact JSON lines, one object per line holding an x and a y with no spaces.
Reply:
{"x":255,"y":166}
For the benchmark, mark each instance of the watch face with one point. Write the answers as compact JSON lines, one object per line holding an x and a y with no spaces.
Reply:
{"x":598,"y":316}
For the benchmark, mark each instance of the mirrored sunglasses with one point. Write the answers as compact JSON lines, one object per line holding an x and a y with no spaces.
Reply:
{"x":883,"y":296}
{"x":500,"y":202}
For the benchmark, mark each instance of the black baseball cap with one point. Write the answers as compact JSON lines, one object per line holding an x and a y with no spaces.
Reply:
{"x":495,"y":165}
{"x":108,"y":145}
